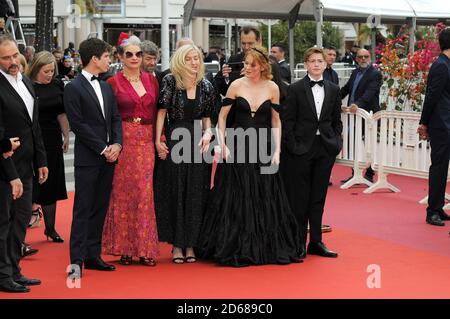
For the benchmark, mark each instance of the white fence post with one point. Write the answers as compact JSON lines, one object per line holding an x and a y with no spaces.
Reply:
{"x":355,"y":145}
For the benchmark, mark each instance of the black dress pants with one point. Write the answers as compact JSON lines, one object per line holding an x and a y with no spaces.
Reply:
{"x":306,"y":182}
{"x":14,"y":218}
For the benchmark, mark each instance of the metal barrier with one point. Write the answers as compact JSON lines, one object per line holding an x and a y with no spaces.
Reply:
{"x":389,"y":141}
{"x":356,"y":147}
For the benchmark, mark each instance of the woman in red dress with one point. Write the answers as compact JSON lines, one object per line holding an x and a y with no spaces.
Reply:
{"x":130,"y":225}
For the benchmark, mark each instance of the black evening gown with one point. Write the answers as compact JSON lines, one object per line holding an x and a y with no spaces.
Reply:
{"x":50,"y":97}
{"x":181,"y":188}
{"x":248,"y":220}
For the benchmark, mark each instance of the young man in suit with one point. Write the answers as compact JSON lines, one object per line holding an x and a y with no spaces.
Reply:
{"x":312,"y":139}
{"x":18,"y":117}
{"x":94,"y":118}
{"x":363,"y":90}
{"x":435,"y":125}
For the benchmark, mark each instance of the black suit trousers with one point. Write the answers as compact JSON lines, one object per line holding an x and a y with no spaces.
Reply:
{"x":437,"y":180}
{"x":92,"y":192}
{"x":14,"y":218}
{"x":306,"y":182}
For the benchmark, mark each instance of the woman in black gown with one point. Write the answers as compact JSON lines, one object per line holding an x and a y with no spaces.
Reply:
{"x":55,"y":127}
{"x":248,"y":220}
{"x":182,"y":187}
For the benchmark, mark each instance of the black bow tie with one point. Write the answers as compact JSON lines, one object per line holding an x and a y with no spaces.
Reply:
{"x":312,"y":83}
{"x":93,"y":78}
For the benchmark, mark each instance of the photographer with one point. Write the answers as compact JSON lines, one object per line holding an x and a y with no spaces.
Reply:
{"x":233,"y":69}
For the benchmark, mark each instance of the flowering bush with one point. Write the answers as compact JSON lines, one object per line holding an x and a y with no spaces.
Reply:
{"x":405,"y":74}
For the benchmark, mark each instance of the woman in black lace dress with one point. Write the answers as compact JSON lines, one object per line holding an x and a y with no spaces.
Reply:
{"x":248,"y":220}
{"x":182,"y":182}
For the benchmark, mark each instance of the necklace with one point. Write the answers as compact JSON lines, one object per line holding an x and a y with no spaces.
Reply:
{"x":136,"y":78}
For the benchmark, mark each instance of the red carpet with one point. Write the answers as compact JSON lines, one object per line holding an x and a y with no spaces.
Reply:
{"x":384,"y":229}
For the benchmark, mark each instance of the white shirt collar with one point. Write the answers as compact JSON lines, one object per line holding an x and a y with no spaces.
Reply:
{"x":12,"y":78}
{"x":87,"y":75}
{"x":311,"y":79}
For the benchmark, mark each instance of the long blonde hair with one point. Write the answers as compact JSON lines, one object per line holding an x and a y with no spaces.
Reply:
{"x":41,"y":59}
{"x":178,"y":65}
{"x":23,"y":63}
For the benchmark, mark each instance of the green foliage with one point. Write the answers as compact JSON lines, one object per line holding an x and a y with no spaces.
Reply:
{"x":304,"y":36}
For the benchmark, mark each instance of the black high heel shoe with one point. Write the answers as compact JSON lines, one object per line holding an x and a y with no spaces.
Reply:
{"x":54,"y":236}
{"x":36,"y":216}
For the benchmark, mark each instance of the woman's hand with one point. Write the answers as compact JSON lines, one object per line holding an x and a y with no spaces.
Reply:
{"x":276,"y":158}
{"x":65,"y":145}
{"x":162,"y":150}
{"x":205,"y":141}
{"x":225,"y":151}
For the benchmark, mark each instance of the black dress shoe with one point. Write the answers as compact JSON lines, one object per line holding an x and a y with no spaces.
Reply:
{"x":24,"y":281}
{"x":435,"y":220}
{"x":444,"y":216}
{"x":321,"y":250}
{"x":12,"y":286}
{"x":98,"y":264}
{"x":26,"y":250}
{"x":302,"y":252}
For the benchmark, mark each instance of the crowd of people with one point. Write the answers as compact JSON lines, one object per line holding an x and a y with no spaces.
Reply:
{"x":142,"y":140}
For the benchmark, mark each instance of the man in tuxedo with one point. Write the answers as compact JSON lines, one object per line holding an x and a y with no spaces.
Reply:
{"x":277,"y":51}
{"x":363,"y":90}
{"x":18,"y":118}
{"x":233,"y":69}
{"x":311,"y":136}
{"x":94,"y":118}
{"x":435,"y":126}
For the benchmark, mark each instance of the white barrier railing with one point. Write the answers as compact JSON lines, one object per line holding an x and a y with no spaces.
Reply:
{"x":356,"y":148}
{"x":389,"y":141}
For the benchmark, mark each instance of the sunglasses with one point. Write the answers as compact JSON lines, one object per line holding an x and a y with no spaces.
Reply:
{"x":129,"y":54}
{"x":363,"y":56}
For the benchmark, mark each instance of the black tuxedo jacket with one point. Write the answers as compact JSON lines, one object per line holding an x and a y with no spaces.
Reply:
{"x":367,"y":94}
{"x":331,"y":75}
{"x":285,"y":71}
{"x":436,"y":108}
{"x":300,"y":122}
{"x":93,"y":132}
{"x":15,"y":121}
{"x":5,"y":145}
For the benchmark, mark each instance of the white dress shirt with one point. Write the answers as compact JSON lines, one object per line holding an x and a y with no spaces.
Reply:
{"x":21,"y":89}
{"x":319,"y":95}
{"x":98,"y":91}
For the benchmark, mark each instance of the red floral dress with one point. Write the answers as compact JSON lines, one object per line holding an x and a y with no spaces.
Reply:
{"x":130,"y":224}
